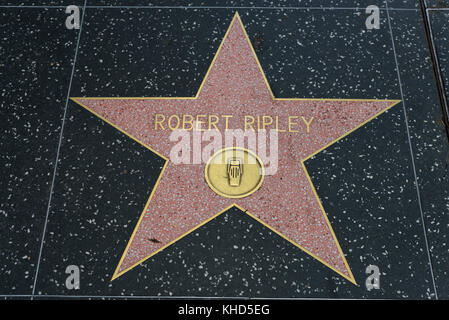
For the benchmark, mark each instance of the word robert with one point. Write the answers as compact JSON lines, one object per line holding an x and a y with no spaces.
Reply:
{"x":204,"y":122}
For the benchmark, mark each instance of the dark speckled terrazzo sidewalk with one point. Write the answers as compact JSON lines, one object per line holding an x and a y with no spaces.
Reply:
{"x":384,"y":186}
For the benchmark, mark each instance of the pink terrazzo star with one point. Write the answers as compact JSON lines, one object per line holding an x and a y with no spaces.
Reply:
{"x":286,"y":202}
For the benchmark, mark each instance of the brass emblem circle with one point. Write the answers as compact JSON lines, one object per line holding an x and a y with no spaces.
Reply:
{"x":234,"y":172}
